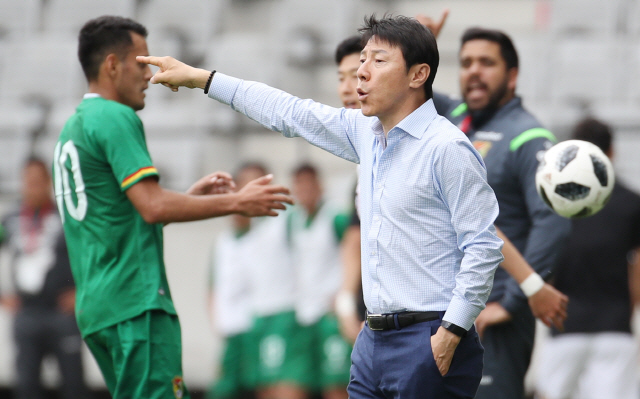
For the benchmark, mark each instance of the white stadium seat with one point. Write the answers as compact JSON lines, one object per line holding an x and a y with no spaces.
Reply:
{"x":68,"y":16}
{"x":19,"y":18}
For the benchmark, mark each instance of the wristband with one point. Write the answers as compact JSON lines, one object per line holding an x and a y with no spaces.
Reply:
{"x":206,"y":87}
{"x":345,"y":304}
{"x":532,"y":284}
{"x":457,"y":330}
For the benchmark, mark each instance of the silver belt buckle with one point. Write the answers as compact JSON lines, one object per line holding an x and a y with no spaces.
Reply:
{"x":376,"y":321}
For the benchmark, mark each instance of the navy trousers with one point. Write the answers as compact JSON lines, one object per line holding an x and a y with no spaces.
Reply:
{"x":400,"y":364}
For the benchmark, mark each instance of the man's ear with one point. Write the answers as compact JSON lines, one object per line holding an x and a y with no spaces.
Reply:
{"x":111,"y":65}
{"x":512,"y":78}
{"x":419,"y":74}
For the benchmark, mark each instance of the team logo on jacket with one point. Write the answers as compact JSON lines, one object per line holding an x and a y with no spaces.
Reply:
{"x":178,"y":387}
{"x":482,"y":147}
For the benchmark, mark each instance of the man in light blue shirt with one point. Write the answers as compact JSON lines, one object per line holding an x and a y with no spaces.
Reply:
{"x":429,"y":248}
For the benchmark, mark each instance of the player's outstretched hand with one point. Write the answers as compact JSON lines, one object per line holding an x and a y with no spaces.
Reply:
{"x":434,"y":26}
{"x":550,"y":306}
{"x":174,"y":73}
{"x":259,"y":198}
{"x":214,"y":183}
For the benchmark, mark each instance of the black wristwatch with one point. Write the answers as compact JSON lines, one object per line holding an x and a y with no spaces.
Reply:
{"x":457,"y":330}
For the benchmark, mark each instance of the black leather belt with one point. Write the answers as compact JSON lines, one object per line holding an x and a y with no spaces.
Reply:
{"x":396,"y":321}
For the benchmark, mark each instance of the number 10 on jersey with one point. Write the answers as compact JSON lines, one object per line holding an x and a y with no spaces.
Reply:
{"x":64,"y":198}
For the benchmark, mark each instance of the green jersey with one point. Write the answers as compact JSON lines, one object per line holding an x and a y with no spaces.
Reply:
{"x":116,"y":257}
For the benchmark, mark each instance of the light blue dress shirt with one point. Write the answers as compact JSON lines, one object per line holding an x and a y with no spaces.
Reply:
{"x":427,"y":212}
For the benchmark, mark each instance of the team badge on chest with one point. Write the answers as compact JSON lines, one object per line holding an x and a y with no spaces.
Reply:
{"x":482,"y":147}
{"x":178,"y":387}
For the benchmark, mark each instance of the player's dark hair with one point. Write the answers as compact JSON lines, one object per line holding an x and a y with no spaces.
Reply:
{"x":417,"y":43}
{"x":305,"y":168}
{"x":507,"y":49}
{"x":350,"y":45}
{"x":102,"y":36}
{"x":594,"y":131}
{"x":260,"y":167}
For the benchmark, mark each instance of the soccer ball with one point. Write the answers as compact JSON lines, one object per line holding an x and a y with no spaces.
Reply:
{"x":575,"y":178}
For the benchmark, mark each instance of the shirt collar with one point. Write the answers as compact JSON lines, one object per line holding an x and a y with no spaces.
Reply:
{"x":415,"y":123}
{"x":91,"y":95}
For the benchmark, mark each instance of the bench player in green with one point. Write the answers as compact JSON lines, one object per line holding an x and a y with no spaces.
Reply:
{"x":113,"y":210}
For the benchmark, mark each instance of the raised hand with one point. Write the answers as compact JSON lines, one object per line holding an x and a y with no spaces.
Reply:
{"x":434,"y":26}
{"x":259,"y":198}
{"x":214,"y":183}
{"x":174,"y":74}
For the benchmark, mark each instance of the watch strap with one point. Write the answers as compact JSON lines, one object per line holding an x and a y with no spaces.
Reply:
{"x":457,"y":330}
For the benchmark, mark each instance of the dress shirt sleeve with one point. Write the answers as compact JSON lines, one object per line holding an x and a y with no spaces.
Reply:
{"x":461,"y":178}
{"x":548,"y":231}
{"x":332,"y":129}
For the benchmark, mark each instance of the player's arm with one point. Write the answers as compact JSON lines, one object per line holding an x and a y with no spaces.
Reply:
{"x":158,"y":205}
{"x":547,"y":303}
{"x":8,"y":300}
{"x":548,"y":231}
{"x":634,"y":278}
{"x":346,"y":299}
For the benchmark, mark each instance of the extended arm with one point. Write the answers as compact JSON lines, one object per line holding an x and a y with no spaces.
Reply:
{"x":157,"y":205}
{"x":547,"y":304}
{"x":332,"y":129}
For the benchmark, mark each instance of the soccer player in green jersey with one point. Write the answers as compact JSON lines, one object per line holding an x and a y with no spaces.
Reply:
{"x":113,"y":211}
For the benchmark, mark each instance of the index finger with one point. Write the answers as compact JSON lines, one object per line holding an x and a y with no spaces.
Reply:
{"x":277,"y":189}
{"x":445,"y":14}
{"x":149,"y":59}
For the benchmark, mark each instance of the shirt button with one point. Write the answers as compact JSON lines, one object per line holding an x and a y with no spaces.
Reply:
{"x":376,"y":218}
{"x":161,"y":291}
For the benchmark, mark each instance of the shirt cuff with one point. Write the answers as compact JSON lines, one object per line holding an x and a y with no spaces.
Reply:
{"x":461,"y":313}
{"x":223,"y":88}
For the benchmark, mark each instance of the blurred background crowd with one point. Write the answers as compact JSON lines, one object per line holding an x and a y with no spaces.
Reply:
{"x":578,"y":58}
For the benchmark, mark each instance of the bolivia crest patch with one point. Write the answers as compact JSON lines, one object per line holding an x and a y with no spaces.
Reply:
{"x":178,"y":387}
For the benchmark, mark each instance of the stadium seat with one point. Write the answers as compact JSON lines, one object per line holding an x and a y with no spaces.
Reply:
{"x":584,"y":69}
{"x":579,"y":17}
{"x":68,"y":16}
{"x":19,"y":19}
{"x":44,"y":67}
{"x":18,"y":123}
{"x":192,"y":22}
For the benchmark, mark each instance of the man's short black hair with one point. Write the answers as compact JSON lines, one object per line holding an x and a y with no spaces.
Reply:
{"x":417,"y":43}
{"x":594,"y":131}
{"x":102,"y":36}
{"x":507,"y":49}
{"x":350,"y":45}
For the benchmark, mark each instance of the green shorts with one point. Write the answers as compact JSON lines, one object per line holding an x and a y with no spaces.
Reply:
{"x":277,"y":352}
{"x":329,"y":355}
{"x":234,"y":379}
{"x":141,"y":357}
